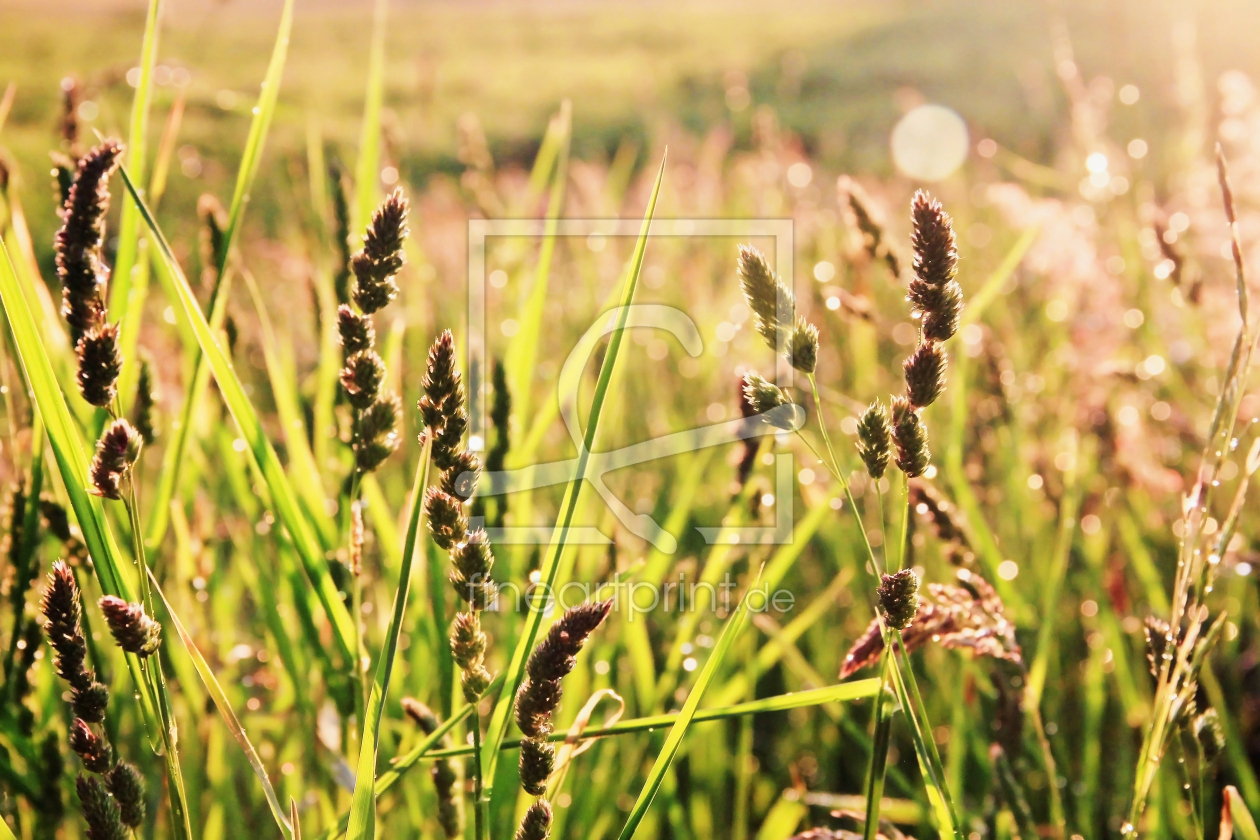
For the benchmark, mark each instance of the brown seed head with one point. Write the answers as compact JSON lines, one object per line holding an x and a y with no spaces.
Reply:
{"x":362,"y":377}
{"x":910,"y":436}
{"x":538,"y":759}
{"x":898,"y":598}
{"x":935,"y":252}
{"x":78,"y":244}
{"x":116,"y":451}
{"x":448,"y":524}
{"x":356,"y":331}
{"x":95,"y":751}
{"x":134,"y":631}
{"x":378,"y":432}
{"x":536,"y":824}
{"x":382,"y":256}
{"x":99,"y":364}
{"x":925,"y":374}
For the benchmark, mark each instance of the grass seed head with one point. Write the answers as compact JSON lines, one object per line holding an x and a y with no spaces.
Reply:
{"x":767,"y":399}
{"x":932,"y":237}
{"x":468,"y":643}
{"x":382,"y":256}
{"x":134,"y":631}
{"x":535,"y":701}
{"x":95,"y":751}
{"x":378,"y":432}
{"x":355,"y":330}
{"x":769,"y":299}
{"x":943,"y":311}
{"x":874,"y":434}
{"x":536,"y":824}
{"x":145,"y":405}
{"x":471,"y":562}
{"x":362,"y":377}
{"x":99,"y":364}
{"x":127,"y":786}
{"x":538,"y":759}
{"x":1207,"y":731}
{"x":802,"y":348}
{"x":100,"y":812}
{"x":553,"y":658}
{"x":898,"y":598}
{"x":423,"y":716}
{"x":925,"y":374}
{"x":116,"y":451}
{"x":460,"y":479}
{"x":446,"y":518}
{"x":910,"y":436}
{"x":80,"y":268}
{"x":474,"y":681}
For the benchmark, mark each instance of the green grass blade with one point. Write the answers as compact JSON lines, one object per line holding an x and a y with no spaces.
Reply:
{"x":363,"y":807}
{"x":284,"y":392}
{"x":1234,"y":813}
{"x":685,"y":716}
{"x":71,"y":460}
{"x":367,"y":168}
{"x":979,"y":302}
{"x":924,"y":745}
{"x":525,"y":642}
{"x":524,"y":349}
{"x":129,"y":281}
{"x":282,"y":493}
{"x":225,"y":709}
{"x":842,"y":693}
{"x":250,"y":159}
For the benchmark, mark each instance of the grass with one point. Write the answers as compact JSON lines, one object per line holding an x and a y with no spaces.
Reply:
{"x":1090,"y":383}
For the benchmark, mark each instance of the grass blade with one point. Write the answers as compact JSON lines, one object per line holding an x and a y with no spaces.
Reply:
{"x":250,"y":159}
{"x":130,"y":280}
{"x":67,"y":448}
{"x":282,"y":493}
{"x":367,"y":168}
{"x":363,"y":807}
{"x":844,"y":692}
{"x":1235,"y":818}
{"x":686,"y":715}
{"x":225,"y":709}
{"x":524,"y":349}
{"x":525,"y":642}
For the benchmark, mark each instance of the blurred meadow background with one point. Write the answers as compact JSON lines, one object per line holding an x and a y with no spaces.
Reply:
{"x":1102,"y":309}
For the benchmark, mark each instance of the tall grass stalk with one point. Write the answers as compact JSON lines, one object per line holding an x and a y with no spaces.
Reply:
{"x":547,"y":574}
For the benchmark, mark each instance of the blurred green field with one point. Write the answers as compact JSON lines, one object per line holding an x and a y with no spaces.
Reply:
{"x":1094,"y":349}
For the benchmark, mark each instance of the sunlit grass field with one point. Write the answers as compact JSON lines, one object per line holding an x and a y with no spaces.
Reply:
{"x":1090,"y":450}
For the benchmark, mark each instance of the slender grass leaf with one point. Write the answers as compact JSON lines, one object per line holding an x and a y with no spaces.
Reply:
{"x":524,"y":348}
{"x":1235,"y":818}
{"x":67,"y":448}
{"x":225,"y":709}
{"x":685,"y":716}
{"x":525,"y":642}
{"x":251,"y":157}
{"x":367,"y":168}
{"x":363,"y":807}
{"x":282,"y":494}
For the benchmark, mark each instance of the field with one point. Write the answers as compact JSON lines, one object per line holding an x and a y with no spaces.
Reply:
{"x":975,"y":559}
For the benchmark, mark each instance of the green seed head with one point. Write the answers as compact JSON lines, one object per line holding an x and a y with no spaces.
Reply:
{"x":899,"y":599}
{"x":875,"y":439}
